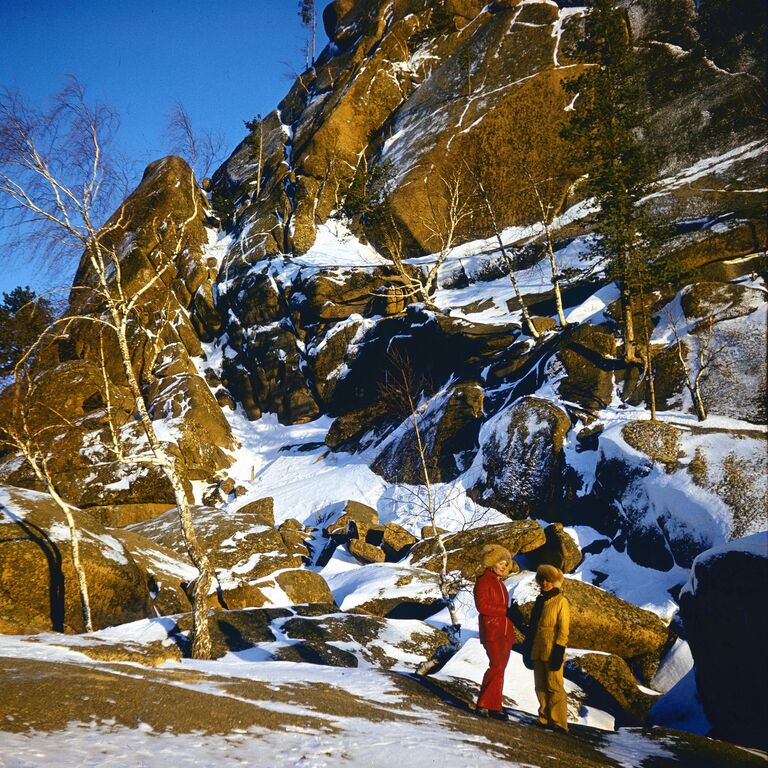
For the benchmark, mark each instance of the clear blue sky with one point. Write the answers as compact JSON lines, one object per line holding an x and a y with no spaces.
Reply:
{"x":223,"y":60}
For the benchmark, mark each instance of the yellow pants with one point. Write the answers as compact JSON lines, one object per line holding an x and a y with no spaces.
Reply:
{"x":553,"y":704}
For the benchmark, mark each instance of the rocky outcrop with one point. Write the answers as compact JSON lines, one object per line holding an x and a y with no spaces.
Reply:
{"x":38,"y":586}
{"x":725,"y":626}
{"x":588,"y":357}
{"x":358,"y":528}
{"x":520,"y":463}
{"x":159,"y":236}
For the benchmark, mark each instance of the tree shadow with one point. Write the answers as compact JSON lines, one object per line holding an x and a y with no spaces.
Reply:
{"x":52,"y":554}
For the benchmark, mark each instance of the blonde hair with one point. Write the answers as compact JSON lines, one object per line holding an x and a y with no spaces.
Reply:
{"x":549,"y":573}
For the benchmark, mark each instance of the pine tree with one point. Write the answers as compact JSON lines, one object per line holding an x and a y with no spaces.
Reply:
{"x":23,"y":317}
{"x":605,"y":132}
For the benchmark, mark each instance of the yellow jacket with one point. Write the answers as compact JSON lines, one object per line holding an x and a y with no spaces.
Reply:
{"x":552,"y":629}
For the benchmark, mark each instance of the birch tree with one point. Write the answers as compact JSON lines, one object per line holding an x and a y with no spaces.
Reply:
{"x":546,"y":207}
{"x":53,"y":167}
{"x":201,"y":149}
{"x":401,"y":390}
{"x":703,"y":358}
{"x":505,"y":255}
{"x":308,"y":16}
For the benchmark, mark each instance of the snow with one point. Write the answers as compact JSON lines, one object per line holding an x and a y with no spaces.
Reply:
{"x":410,"y":736}
{"x":630,"y":749}
{"x":680,"y":708}
{"x":471,"y":662}
{"x":352,"y":586}
{"x":677,"y":663}
{"x":336,"y":246}
{"x":709,"y":165}
{"x":414,"y":742}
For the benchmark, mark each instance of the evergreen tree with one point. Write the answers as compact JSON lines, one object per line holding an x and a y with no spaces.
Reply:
{"x":605,"y":132}
{"x":23,"y":317}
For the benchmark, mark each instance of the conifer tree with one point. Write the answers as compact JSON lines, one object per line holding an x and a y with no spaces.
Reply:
{"x":23,"y":317}
{"x":605,"y":131}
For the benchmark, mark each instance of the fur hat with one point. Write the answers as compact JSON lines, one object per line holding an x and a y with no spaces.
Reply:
{"x":494,"y":553}
{"x":549,"y":573}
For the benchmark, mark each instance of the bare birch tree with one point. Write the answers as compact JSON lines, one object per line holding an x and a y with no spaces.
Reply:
{"x":33,"y":147}
{"x":508,"y":260}
{"x":308,"y":16}
{"x":401,"y":390}
{"x":547,"y":210}
{"x":201,"y":149}
{"x":705,"y":355}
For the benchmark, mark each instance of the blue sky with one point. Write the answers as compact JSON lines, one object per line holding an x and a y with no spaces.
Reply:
{"x":225,"y":61}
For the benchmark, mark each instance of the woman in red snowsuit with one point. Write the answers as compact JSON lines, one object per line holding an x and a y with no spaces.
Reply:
{"x":496,"y":631}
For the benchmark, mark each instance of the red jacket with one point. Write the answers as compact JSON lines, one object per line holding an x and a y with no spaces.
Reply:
{"x":491,"y":599}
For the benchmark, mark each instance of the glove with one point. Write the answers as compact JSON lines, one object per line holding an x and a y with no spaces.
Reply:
{"x":556,"y":658}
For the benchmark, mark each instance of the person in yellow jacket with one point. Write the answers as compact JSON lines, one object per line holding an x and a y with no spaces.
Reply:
{"x":544,"y":647}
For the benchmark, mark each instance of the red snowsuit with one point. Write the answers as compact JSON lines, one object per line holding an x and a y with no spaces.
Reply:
{"x":497,"y":634}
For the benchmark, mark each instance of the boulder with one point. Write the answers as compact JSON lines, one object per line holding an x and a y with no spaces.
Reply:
{"x":396,"y":542}
{"x":348,"y":428}
{"x":609,"y":684}
{"x":166,"y":572}
{"x":366,"y":553}
{"x":448,"y":428}
{"x":239,"y":543}
{"x":389,"y":591}
{"x":259,"y":511}
{"x":38,"y":586}
{"x":725,"y":624}
{"x":366,"y":639}
{"x":588,"y":356}
{"x":520,"y":463}
{"x":464,"y":549}
{"x":352,"y":512}
{"x":602,"y":622}
{"x":303,"y":586}
{"x":232,"y":631}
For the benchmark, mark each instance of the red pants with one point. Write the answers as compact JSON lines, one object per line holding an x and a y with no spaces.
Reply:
{"x":493,"y":681}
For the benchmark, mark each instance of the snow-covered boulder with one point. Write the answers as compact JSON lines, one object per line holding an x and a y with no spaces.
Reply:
{"x":38,"y":586}
{"x":240,"y":543}
{"x":387,"y":590}
{"x":320,"y":634}
{"x":519,"y":468}
{"x":723,"y":611}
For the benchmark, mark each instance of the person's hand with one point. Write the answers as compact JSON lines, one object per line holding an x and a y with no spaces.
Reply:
{"x":556,"y":658}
